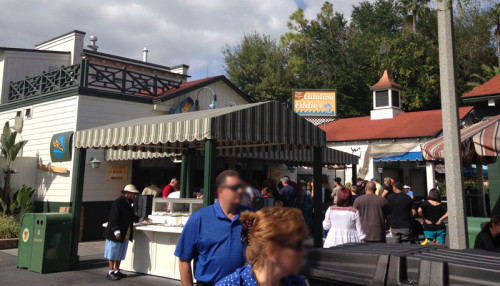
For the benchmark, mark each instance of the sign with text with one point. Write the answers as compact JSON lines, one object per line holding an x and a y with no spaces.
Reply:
{"x":117,"y":173}
{"x":60,"y":147}
{"x":315,"y":102}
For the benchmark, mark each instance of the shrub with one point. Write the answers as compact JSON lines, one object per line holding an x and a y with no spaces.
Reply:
{"x":9,"y":227}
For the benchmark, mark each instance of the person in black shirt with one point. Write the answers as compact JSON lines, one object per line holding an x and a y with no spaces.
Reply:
{"x":388,"y":187}
{"x":433,"y":213}
{"x":401,"y":214}
{"x":360,"y":187}
{"x":489,"y":239}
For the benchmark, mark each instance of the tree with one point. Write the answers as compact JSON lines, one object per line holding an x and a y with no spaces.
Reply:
{"x":10,"y":150}
{"x":487,"y":74}
{"x":495,"y":14}
{"x":258,"y":66}
{"x":414,"y":8}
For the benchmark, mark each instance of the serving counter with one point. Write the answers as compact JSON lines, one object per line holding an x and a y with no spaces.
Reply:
{"x":152,"y":251}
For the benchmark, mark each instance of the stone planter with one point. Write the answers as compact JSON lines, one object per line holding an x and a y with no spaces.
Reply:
{"x":8,"y":243}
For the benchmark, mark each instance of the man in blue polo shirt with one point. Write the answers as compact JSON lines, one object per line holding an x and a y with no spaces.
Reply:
{"x":212,"y":235}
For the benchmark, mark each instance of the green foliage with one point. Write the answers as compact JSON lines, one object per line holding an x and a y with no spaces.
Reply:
{"x":10,"y":150}
{"x":9,"y":227}
{"x":486,"y":74}
{"x":329,"y":52}
{"x":21,"y":202}
{"x":258,"y":65}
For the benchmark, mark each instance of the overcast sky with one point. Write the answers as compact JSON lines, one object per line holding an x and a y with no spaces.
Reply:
{"x":190,"y":32}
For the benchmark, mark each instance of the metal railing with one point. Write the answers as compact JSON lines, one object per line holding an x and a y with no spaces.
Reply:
{"x":91,"y":76}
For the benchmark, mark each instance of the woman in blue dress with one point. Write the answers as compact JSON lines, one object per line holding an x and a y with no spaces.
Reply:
{"x":274,"y":252}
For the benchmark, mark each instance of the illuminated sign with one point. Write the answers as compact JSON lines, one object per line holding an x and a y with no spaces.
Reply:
{"x":315,"y":102}
{"x":60,"y":147}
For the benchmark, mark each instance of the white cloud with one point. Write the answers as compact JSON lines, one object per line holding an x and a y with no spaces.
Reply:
{"x":178,"y":31}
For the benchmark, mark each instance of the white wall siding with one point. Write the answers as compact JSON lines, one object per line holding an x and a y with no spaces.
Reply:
{"x":94,"y":112}
{"x":48,"y":119}
{"x":224,"y":93}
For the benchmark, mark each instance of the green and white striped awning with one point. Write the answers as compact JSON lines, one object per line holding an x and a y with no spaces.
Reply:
{"x":265,"y":128}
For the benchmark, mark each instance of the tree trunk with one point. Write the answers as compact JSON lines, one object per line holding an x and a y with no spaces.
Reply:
{"x":414,"y":20}
{"x":6,"y":187}
{"x":497,"y":34}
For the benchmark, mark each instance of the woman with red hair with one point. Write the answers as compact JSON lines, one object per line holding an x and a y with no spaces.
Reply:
{"x":343,"y":222}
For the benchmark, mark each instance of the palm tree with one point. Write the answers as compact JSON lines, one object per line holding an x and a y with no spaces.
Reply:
{"x":487,"y":73}
{"x":415,"y":8}
{"x":10,"y":149}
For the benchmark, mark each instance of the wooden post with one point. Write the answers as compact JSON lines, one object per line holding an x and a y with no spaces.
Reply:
{"x":317,"y":200}
{"x":209,"y":175}
{"x":190,"y":172}
{"x":76,"y":202}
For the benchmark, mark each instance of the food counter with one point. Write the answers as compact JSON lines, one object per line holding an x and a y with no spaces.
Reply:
{"x":152,"y":251}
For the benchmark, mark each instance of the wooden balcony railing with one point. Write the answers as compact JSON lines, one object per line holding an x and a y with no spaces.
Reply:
{"x":91,"y":76}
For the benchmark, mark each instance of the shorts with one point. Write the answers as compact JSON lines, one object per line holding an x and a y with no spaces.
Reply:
{"x":114,"y":250}
{"x":438,"y":235}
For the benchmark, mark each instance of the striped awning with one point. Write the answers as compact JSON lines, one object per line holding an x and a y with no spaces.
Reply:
{"x":408,"y":156}
{"x":264,"y":130}
{"x":434,"y":149}
{"x":299,"y":157}
{"x":487,"y":141}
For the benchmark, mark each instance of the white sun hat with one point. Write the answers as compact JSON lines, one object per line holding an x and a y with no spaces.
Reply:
{"x":131,"y":189}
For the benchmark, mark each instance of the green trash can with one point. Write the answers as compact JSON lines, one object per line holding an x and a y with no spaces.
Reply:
{"x":474,"y":227}
{"x":51,"y":247}
{"x":25,"y":240}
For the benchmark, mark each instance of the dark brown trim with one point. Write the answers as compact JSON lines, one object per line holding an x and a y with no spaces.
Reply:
{"x":33,"y":50}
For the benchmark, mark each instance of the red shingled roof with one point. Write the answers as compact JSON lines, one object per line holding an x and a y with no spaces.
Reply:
{"x":490,"y":87}
{"x":404,"y":125}
{"x":386,"y":82}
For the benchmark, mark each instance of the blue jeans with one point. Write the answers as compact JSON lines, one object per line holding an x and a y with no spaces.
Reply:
{"x":438,"y":235}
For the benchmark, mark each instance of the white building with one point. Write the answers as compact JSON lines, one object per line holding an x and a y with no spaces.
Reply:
{"x":61,"y":86}
{"x":388,"y":141}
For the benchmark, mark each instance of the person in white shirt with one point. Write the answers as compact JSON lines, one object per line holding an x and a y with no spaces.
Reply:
{"x":342,"y":221}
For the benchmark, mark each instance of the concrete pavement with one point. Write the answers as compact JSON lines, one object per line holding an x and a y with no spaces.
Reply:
{"x":92,"y":271}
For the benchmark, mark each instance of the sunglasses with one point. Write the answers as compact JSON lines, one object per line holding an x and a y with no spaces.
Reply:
{"x":235,"y":188}
{"x":299,"y":246}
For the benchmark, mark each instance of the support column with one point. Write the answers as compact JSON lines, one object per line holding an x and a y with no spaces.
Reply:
{"x":429,"y":174}
{"x":354,"y":174}
{"x":209,"y":173}
{"x":76,"y":203}
{"x":451,"y":131}
{"x":317,"y":200}
{"x":190,"y":171}
{"x":183,"y":178}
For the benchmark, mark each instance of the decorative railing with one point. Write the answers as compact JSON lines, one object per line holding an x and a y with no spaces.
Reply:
{"x":91,"y":76}
{"x":51,"y":81}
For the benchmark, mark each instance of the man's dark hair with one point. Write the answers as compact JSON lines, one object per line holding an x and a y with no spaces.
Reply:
{"x":371,"y":186}
{"x":338,"y":180}
{"x":398,"y":186}
{"x":221,"y":178}
{"x":434,"y":195}
{"x":359,"y":180}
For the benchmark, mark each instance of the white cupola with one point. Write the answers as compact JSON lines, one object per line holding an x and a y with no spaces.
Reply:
{"x":386,"y":98}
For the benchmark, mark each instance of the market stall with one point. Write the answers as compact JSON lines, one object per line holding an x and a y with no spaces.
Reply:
{"x":261,"y":131}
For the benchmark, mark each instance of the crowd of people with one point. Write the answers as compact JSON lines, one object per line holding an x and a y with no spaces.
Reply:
{"x":228,"y":243}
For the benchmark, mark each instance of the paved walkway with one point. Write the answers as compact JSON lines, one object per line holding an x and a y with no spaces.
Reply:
{"x":92,"y":271}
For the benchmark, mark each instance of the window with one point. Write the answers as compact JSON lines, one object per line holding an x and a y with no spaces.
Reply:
{"x":395,"y":98}
{"x":19,"y":113}
{"x":27,"y":112}
{"x":382,"y":98}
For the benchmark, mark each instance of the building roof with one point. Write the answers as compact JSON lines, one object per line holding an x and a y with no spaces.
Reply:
{"x":32,"y":50}
{"x":60,"y":36}
{"x":491,"y":87}
{"x":386,"y":82}
{"x":196,"y":84}
{"x":404,"y":125}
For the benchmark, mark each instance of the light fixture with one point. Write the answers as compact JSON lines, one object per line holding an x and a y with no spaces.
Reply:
{"x":380,"y":169}
{"x":94,"y":163}
{"x":212,"y":105}
{"x":214,"y":97}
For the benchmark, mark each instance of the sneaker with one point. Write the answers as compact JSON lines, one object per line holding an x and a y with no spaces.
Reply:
{"x":112,"y":276}
{"x":120,"y":274}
